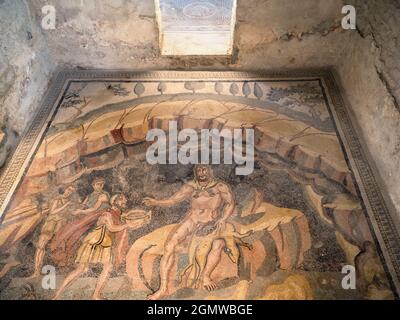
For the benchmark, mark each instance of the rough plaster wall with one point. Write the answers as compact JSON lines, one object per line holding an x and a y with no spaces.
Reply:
{"x":124,"y":34}
{"x":25,"y":69}
{"x":289,"y":34}
{"x":370,"y":75}
{"x":380,"y":20}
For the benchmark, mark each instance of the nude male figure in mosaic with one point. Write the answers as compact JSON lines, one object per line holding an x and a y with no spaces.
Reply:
{"x":212,"y":203}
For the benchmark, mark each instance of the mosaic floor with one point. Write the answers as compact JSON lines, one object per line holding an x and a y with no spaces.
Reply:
{"x":84,"y":215}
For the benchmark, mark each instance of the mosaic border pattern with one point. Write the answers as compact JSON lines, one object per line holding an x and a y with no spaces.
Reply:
{"x":378,"y":210}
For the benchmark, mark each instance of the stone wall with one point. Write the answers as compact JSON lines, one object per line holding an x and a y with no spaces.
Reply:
{"x":25,"y":69}
{"x":370,"y":76}
{"x":124,"y":34}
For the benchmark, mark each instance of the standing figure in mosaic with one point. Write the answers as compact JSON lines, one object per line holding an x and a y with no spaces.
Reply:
{"x":65,"y":242}
{"x":98,"y":200}
{"x":60,"y":208}
{"x":100,"y":245}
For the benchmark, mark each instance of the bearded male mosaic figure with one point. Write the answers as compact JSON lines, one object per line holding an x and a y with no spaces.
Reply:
{"x":102,"y":245}
{"x":212,"y":203}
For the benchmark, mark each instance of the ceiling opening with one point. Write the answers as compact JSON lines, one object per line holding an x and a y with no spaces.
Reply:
{"x":196,"y":27}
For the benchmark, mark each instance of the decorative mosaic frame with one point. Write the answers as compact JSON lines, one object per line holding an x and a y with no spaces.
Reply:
{"x":379,"y":210}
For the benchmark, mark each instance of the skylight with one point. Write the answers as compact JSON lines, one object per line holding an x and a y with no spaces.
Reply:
{"x":196,"y":27}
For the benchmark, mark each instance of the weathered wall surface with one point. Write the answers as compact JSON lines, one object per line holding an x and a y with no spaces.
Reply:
{"x":25,"y":69}
{"x":124,"y":34}
{"x":370,"y":75}
{"x":270,"y":34}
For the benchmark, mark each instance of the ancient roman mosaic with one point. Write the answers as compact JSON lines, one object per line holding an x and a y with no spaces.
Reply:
{"x":91,"y":209}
